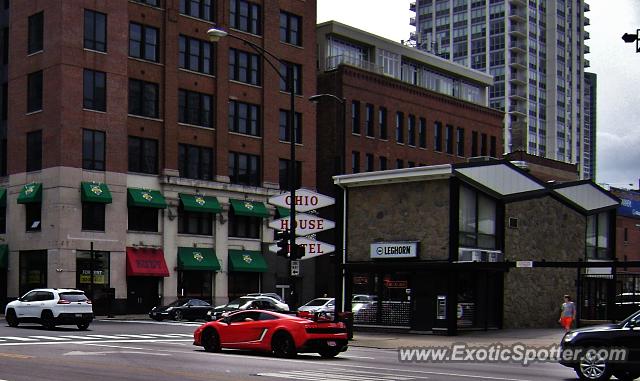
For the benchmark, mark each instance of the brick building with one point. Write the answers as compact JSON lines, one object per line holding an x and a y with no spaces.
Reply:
{"x":392,"y":106}
{"x":137,"y":156}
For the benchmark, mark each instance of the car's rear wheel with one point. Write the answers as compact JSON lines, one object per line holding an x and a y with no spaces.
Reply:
{"x":83,"y":326}
{"x":593,"y":366}
{"x":11,"y":318}
{"x":47,"y":319}
{"x":211,"y":340}
{"x":329,"y":352}
{"x":282,"y":345}
{"x":178,"y":315}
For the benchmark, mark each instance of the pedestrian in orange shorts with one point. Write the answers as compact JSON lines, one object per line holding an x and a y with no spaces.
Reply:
{"x":568,"y":313}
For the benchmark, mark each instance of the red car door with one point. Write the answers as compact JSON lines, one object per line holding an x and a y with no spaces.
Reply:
{"x":243,"y":329}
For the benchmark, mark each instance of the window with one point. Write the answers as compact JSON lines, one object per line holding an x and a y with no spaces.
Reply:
{"x":195,"y":55}
{"x":194,"y":222}
{"x":476,"y":219}
{"x":244,"y":226}
{"x":399,"y":127}
{"x":95,"y":30}
{"x":195,"y":162}
{"x":143,"y":155}
{"x":460,"y":141}
{"x":95,"y":90}
{"x":369,"y":162}
{"x":422,"y":133}
{"x":142,"y":219}
{"x":355,"y":117}
{"x":383,"y":163}
{"x":483,"y":145}
{"x":284,"y":135}
{"x":245,"y":16}
{"x":399,"y":163}
{"x":290,"y":28}
{"x":244,"y":118}
{"x":355,"y":162}
{"x":297,"y":77}
{"x":34,"y":151}
{"x":411,"y":130}
{"x":597,"y":237}
{"x":382,"y":120}
{"x":244,"y":67}
{"x":474,"y":143}
{"x":143,"y":42}
{"x":153,"y":3}
{"x":143,"y":98}
{"x":3,"y":156}
{"x":93,"y":216}
{"x":93,"y":150}
{"x":368,"y":120}
{"x":33,"y":213}
{"x":285,"y":181}
{"x":437,"y":136}
{"x":195,"y":108}
{"x":36,"y":33}
{"x":202,"y":9}
{"x":244,"y":169}
{"x":448,"y":139}
{"x":34,"y":92}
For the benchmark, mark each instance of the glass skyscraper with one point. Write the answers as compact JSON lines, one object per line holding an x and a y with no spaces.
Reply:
{"x":535,"y":51}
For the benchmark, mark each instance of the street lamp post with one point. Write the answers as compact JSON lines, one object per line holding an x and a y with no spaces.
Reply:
{"x":214,"y":35}
{"x":340,"y":168}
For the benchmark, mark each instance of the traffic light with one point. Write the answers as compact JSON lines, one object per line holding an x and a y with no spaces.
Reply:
{"x":298,"y":252}
{"x":282,"y":240}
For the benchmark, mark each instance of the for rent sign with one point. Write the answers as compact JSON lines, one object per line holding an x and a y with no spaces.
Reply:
{"x":394,"y":250}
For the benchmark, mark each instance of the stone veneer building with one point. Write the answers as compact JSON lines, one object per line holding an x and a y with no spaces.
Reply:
{"x":438,"y":247}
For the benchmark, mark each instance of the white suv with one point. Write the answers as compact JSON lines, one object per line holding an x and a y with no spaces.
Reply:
{"x":51,"y":307}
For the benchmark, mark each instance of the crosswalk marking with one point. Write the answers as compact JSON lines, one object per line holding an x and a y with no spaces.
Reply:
{"x":18,"y":338}
{"x":6,"y":340}
{"x":336,"y":375}
{"x":54,"y":338}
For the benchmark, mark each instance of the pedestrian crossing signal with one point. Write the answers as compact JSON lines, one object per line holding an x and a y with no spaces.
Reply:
{"x":282,"y":241}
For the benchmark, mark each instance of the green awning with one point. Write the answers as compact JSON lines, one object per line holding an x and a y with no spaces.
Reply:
{"x":145,"y":198}
{"x":95,"y":192}
{"x":247,"y":261}
{"x":249,"y":208}
{"x":3,"y":196}
{"x":4,"y":256}
{"x":197,"y":203}
{"x":283,"y":212}
{"x":191,"y":258}
{"x":30,"y":194}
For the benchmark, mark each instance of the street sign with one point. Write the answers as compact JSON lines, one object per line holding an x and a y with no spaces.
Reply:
{"x":295,"y":268}
{"x":629,"y":38}
{"x":305,"y":224}
{"x":306,"y":200}
{"x":312,"y":248}
{"x":524,"y":263}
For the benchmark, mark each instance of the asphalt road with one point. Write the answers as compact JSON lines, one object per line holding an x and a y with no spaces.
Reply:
{"x":148,"y":350}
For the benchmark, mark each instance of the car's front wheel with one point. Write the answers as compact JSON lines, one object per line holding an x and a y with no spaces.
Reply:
{"x":177,"y":315}
{"x":11,"y":318}
{"x":282,"y":345}
{"x":211,"y":340}
{"x":593,"y":366}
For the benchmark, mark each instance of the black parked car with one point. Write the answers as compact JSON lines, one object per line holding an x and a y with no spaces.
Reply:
{"x":592,"y":363}
{"x":190,"y":309}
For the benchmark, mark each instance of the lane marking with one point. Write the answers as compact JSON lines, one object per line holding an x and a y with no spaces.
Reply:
{"x":17,"y":338}
{"x":54,"y":338}
{"x":15,"y":356}
{"x":94,"y":341}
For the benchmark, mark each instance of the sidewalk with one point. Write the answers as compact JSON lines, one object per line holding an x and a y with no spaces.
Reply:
{"x":529,"y":337}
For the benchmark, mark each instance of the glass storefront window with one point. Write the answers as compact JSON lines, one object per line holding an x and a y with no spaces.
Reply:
{"x":33,"y":270}
{"x":84,"y":268}
{"x":196,"y":284}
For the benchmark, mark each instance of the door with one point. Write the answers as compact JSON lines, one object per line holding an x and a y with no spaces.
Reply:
{"x":26,"y":304}
{"x":243,"y":328}
{"x":142,"y":294}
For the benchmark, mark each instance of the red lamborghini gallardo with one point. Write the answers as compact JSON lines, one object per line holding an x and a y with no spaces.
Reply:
{"x":268,"y":331}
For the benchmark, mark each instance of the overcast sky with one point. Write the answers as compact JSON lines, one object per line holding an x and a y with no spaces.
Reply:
{"x":616,"y":64}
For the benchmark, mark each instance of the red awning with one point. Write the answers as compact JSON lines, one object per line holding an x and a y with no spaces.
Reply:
{"x":146,"y":262}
